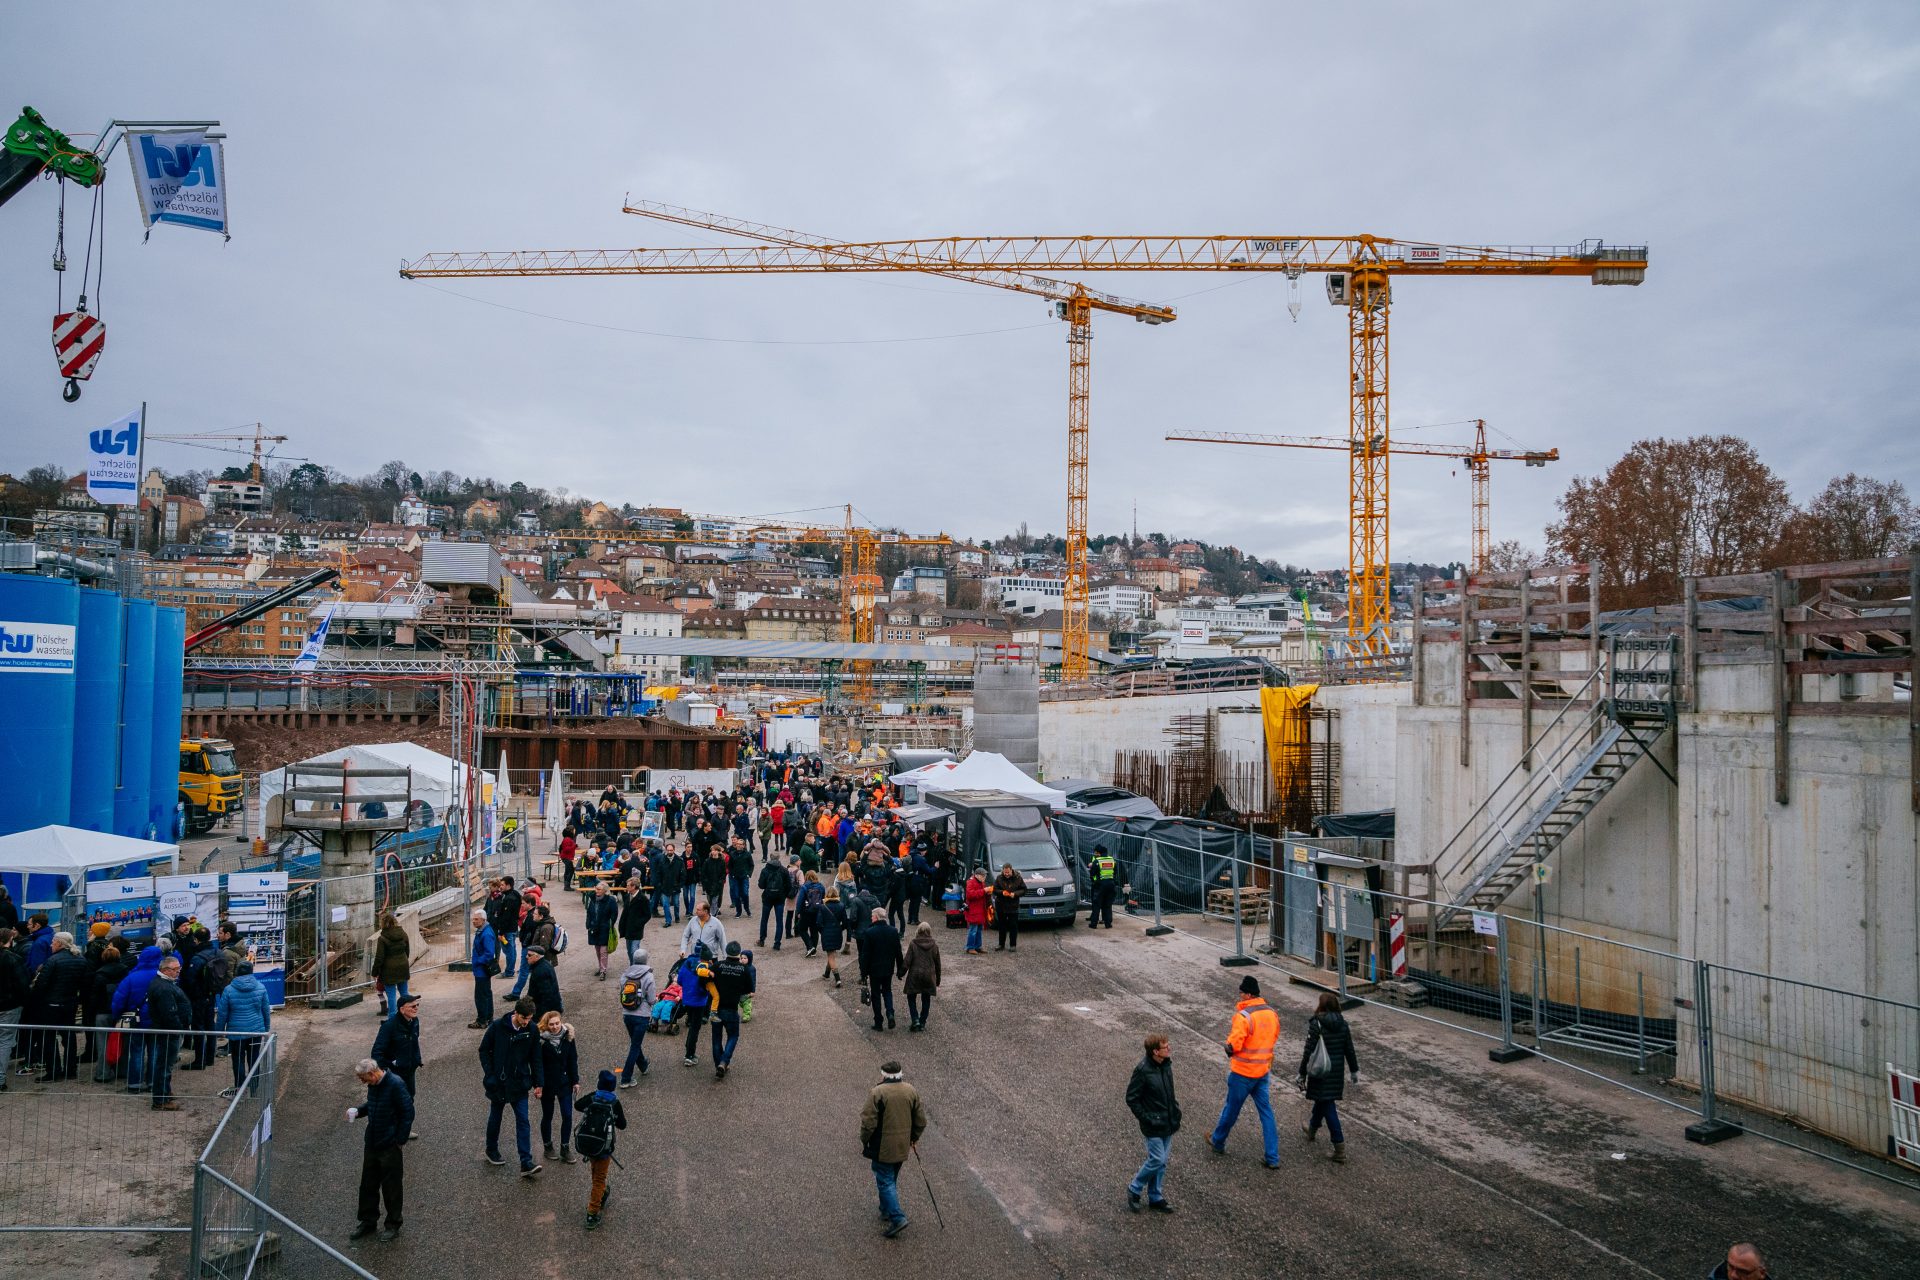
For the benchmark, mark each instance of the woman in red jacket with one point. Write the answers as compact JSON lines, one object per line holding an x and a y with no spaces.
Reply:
{"x":976,"y":896}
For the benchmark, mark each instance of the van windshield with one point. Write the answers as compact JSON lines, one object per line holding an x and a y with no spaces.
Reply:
{"x":1026,"y":857}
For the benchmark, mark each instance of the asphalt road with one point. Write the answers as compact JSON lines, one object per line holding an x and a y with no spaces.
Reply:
{"x":1457,"y":1167}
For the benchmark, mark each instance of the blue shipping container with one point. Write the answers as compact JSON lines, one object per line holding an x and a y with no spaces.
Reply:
{"x":169,"y":664}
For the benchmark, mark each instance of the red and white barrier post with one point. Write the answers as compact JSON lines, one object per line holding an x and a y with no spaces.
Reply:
{"x":1397,"y":944}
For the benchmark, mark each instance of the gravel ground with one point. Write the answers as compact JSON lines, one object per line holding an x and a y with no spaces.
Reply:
{"x":1457,"y":1167}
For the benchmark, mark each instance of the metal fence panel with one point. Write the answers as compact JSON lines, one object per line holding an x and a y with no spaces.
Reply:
{"x":45,"y":1185}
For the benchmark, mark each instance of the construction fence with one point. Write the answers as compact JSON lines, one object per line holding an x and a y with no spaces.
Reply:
{"x":1806,"y":1065}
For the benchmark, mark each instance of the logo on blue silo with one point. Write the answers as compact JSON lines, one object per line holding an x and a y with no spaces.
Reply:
{"x":10,"y":643}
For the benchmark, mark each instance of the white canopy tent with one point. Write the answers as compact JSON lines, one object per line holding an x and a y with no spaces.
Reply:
{"x":72,"y":852}
{"x":981,"y":770}
{"x":434,"y":776}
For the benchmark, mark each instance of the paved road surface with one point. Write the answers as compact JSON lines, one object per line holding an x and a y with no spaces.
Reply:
{"x":1457,"y":1168}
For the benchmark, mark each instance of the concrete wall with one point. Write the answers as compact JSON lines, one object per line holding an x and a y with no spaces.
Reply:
{"x":1079,"y":739}
{"x":1367,"y":729}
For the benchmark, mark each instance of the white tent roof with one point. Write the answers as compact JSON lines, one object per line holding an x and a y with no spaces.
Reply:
{"x":984,"y":770}
{"x":71,"y":852}
{"x":433,"y":773}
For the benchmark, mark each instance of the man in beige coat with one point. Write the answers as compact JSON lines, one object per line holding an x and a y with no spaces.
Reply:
{"x":890,"y":1127}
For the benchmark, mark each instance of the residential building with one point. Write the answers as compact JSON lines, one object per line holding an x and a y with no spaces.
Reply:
{"x":1120,"y":600}
{"x":526,"y":521}
{"x":691,"y":600}
{"x":1157,"y":572}
{"x":180,"y":516}
{"x":644,"y":616}
{"x":646,"y":563}
{"x":483,"y":513}
{"x":1026,"y":594}
{"x":795,"y":619}
{"x":1039,"y":632}
{"x":234,"y":495}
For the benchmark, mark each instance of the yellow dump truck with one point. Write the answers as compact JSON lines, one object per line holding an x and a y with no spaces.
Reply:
{"x":210,"y":787}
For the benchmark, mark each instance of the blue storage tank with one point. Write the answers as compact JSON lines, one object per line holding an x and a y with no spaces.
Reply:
{"x":96,"y":710}
{"x":39,"y":628}
{"x":169,"y":664}
{"x":133,"y":775}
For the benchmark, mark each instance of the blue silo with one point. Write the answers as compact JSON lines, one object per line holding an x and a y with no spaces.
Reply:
{"x":96,"y":710}
{"x":133,"y":775}
{"x":39,"y":626}
{"x":169,"y":660}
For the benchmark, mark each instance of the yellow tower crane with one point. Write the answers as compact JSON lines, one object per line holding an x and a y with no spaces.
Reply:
{"x":1358,"y":270}
{"x":785,"y":251}
{"x":1477,"y":456}
{"x":258,"y":436}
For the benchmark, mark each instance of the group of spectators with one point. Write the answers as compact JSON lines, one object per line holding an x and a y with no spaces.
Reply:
{"x":125,"y":1009}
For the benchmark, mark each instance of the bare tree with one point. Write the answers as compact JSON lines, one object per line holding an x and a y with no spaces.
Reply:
{"x":1669,"y":509}
{"x":1854,"y":518}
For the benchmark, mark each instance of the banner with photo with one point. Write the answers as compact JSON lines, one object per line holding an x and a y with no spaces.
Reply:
{"x":195,"y":898}
{"x":126,"y":906}
{"x":257,"y":905}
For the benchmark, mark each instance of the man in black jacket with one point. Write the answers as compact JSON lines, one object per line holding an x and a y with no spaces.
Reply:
{"x":734,"y":978}
{"x":169,"y":1012}
{"x":388,"y":1112}
{"x":774,"y":886}
{"x":397,"y":1047}
{"x":1150,"y":1098}
{"x":504,"y":911}
{"x":881,"y":958}
{"x":13,"y":1000}
{"x":56,"y":999}
{"x":543,"y":984}
{"x":506,"y":1070}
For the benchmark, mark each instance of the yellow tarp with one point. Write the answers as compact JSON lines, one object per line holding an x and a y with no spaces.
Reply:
{"x":664,"y":692}
{"x":1284,"y":713}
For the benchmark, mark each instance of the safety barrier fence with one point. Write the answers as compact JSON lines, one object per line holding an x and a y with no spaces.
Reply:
{"x":1794,"y":1062}
{"x":333,"y":923}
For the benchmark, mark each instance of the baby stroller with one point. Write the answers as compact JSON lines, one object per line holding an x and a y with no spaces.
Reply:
{"x":666,"y":1011}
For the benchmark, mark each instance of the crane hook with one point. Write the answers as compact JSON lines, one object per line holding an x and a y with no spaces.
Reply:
{"x":71,"y":391}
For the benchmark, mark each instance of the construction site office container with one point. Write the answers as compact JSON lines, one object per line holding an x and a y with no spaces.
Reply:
{"x":96,"y":710}
{"x":39,"y":625}
{"x":133,"y":771}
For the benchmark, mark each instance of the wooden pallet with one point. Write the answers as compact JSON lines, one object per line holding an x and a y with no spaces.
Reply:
{"x":1253,"y":906}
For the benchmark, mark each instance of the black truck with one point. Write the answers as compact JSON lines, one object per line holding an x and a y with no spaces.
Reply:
{"x":992,"y":828}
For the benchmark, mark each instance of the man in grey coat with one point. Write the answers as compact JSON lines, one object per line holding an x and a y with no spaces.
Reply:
{"x":703,"y":928}
{"x":890,"y":1127}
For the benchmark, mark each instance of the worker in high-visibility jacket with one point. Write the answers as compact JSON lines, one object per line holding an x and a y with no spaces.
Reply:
{"x":1256,"y":1029}
{"x":1103,"y":877}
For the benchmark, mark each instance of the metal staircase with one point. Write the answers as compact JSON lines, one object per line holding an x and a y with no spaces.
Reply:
{"x":1530,"y":813}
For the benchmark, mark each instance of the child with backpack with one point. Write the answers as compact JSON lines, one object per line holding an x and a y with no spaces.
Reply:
{"x":601,"y":1119}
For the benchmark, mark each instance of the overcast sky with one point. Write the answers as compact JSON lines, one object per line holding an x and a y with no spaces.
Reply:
{"x":1764,"y":152}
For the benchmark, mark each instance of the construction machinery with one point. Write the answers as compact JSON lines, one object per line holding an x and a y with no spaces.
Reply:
{"x":783,"y":251}
{"x":264,"y":604}
{"x":1477,"y":456}
{"x":210,"y":786}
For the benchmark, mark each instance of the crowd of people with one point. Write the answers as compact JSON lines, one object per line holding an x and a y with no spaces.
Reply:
{"x":120,"y":1011}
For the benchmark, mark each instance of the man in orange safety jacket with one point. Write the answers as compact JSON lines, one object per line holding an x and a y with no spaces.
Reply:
{"x":1256,"y":1029}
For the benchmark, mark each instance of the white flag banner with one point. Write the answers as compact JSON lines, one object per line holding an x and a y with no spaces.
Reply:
{"x":113,"y":463}
{"x":316,"y":638}
{"x":179,"y":178}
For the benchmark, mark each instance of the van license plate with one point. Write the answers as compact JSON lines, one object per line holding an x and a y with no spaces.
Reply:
{"x":1043,"y":911}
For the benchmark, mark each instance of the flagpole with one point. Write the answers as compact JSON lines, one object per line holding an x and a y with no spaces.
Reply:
{"x":139,"y":475}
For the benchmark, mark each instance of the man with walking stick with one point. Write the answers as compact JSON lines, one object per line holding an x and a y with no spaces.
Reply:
{"x":890,"y":1127}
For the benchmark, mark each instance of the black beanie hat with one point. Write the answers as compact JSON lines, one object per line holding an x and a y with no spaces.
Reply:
{"x":1249,"y":986}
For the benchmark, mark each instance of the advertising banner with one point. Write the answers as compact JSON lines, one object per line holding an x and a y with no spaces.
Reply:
{"x":113,"y":463}
{"x":195,"y":898}
{"x":125,"y":905}
{"x":316,"y":638}
{"x":179,"y":178}
{"x":257,"y":905}
{"x":36,"y":646}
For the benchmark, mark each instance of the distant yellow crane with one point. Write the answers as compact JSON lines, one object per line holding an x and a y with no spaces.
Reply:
{"x":258,"y":436}
{"x":785,"y":251}
{"x":1477,"y":456}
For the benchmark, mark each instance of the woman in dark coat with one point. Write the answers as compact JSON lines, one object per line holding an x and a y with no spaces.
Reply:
{"x":831,"y":920}
{"x":1328,"y":1027}
{"x":557,"y":1072}
{"x":923,"y":976}
{"x":391,"y":961}
{"x":633,"y":919}
{"x":1008,"y":887}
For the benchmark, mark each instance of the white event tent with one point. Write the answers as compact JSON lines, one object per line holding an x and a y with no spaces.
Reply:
{"x":981,"y":770}
{"x":434,"y":776}
{"x":72,"y":852}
